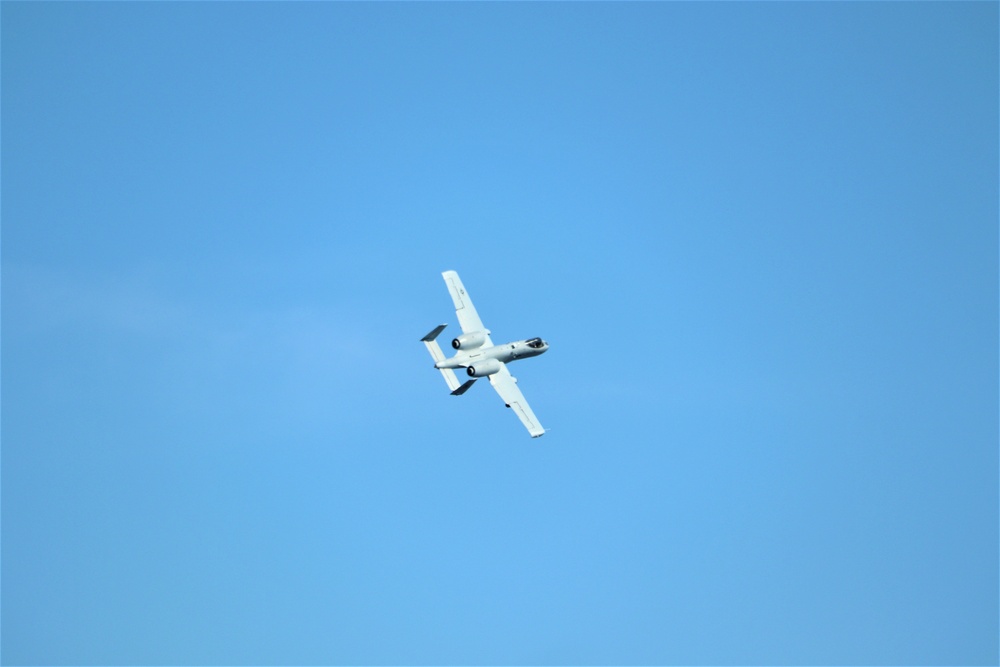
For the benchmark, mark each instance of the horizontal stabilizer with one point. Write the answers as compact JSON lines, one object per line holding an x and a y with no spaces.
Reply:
{"x":438,"y":355}
{"x":449,"y":377}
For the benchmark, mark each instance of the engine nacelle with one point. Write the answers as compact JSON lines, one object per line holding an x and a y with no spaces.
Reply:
{"x":484,"y":368}
{"x":469,"y":341}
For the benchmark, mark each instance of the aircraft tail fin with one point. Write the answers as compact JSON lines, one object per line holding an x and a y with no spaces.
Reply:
{"x":434,"y":333}
{"x":430,"y":340}
{"x":464,"y":388}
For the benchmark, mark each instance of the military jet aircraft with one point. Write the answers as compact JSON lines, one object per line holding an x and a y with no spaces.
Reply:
{"x":476,"y":353}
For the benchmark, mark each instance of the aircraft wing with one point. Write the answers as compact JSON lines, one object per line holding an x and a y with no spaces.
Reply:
{"x":468,"y":318}
{"x":506,"y":386}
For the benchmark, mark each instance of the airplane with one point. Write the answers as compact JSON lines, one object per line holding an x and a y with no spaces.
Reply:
{"x":476,"y":353}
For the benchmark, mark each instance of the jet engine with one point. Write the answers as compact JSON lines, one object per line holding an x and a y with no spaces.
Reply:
{"x":469,"y":341}
{"x":484,"y":368}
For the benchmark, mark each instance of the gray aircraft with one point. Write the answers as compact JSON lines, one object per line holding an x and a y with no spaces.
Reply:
{"x":476,"y":353}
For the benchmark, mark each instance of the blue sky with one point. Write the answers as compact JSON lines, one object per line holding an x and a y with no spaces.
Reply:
{"x":761,"y":238}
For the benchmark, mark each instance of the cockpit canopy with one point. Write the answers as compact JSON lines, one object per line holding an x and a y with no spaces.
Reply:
{"x":536,"y":343}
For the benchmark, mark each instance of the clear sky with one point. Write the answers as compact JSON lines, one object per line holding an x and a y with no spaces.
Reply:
{"x":762,"y":240}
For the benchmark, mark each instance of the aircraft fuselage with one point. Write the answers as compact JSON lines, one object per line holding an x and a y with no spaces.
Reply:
{"x":531,"y":347}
